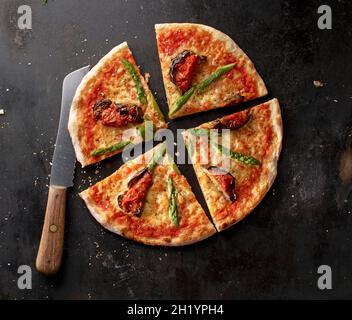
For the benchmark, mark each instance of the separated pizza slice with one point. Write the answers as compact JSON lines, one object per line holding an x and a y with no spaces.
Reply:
{"x":204,"y":69}
{"x":110,"y":108}
{"x":235,"y":160}
{"x":148,"y":200}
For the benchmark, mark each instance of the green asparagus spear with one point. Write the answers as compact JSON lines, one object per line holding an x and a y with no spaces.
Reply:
{"x":172,"y":202}
{"x":156,"y":108}
{"x":236,"y":155}
{"x":157,"y":156}
{"x":115,"y":147}
{"x":182,"y":100}
{"x":137,"y":81}
{"x":215,"y":76}
{"x":141,"y":130}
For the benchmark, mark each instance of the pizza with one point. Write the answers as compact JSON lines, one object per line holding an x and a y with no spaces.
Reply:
{"x":234,"y":157}
{"x":204,"y":69}
{"x":235,"y":160}
{"x":148,"y":200}
{"x":111,"y":106}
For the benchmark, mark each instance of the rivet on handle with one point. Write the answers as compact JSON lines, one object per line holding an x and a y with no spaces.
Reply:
{"x":53,"y":228}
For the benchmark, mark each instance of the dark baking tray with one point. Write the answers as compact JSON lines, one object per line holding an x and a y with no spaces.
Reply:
{"x":303,"y":222}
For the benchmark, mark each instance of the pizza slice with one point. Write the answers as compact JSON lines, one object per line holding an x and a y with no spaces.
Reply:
{"x":235,"y":160}
{"x":204,"y":69}
{"x":148,"y":200}
{"x":111,"y":106}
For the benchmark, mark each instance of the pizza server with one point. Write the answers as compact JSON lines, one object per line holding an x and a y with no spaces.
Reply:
{"x":62,"y":172}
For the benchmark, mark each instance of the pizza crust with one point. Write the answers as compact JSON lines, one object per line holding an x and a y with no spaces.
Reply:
{"x":204,"y":103}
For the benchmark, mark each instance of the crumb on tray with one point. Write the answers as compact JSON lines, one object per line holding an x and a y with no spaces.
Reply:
{"x":318,"y":83}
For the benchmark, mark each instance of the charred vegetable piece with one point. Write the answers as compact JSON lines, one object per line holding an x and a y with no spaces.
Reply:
{"x":233,"y":121}
{"x":99,"y":106}
{"x":117,"y":115}
{"x":130,"y":68}
{"x":173,"y":212}
{"x":183,"y":68}
{"x":136,"y":177}
{"x":224,"y":181}
{"x":201,"y":87}
{"x":236,"y":155}
{"x":113,"y":148}
{"x":133,"y":200}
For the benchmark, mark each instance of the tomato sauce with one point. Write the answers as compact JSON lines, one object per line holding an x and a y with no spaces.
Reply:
{"x":170,"y":42}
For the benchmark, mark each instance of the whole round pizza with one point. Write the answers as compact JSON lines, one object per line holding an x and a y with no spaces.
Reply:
{"x":234,"y":157}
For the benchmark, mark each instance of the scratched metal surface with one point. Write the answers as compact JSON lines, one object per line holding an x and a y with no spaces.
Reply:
{"x":303,"y":222}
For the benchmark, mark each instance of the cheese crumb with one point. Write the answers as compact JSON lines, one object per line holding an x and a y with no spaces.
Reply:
{"x":318,"y":83}
{"x":147,"y":76}
{"x":2,"y":112}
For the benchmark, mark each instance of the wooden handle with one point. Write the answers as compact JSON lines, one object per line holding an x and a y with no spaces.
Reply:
{"x":51,"y":243}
